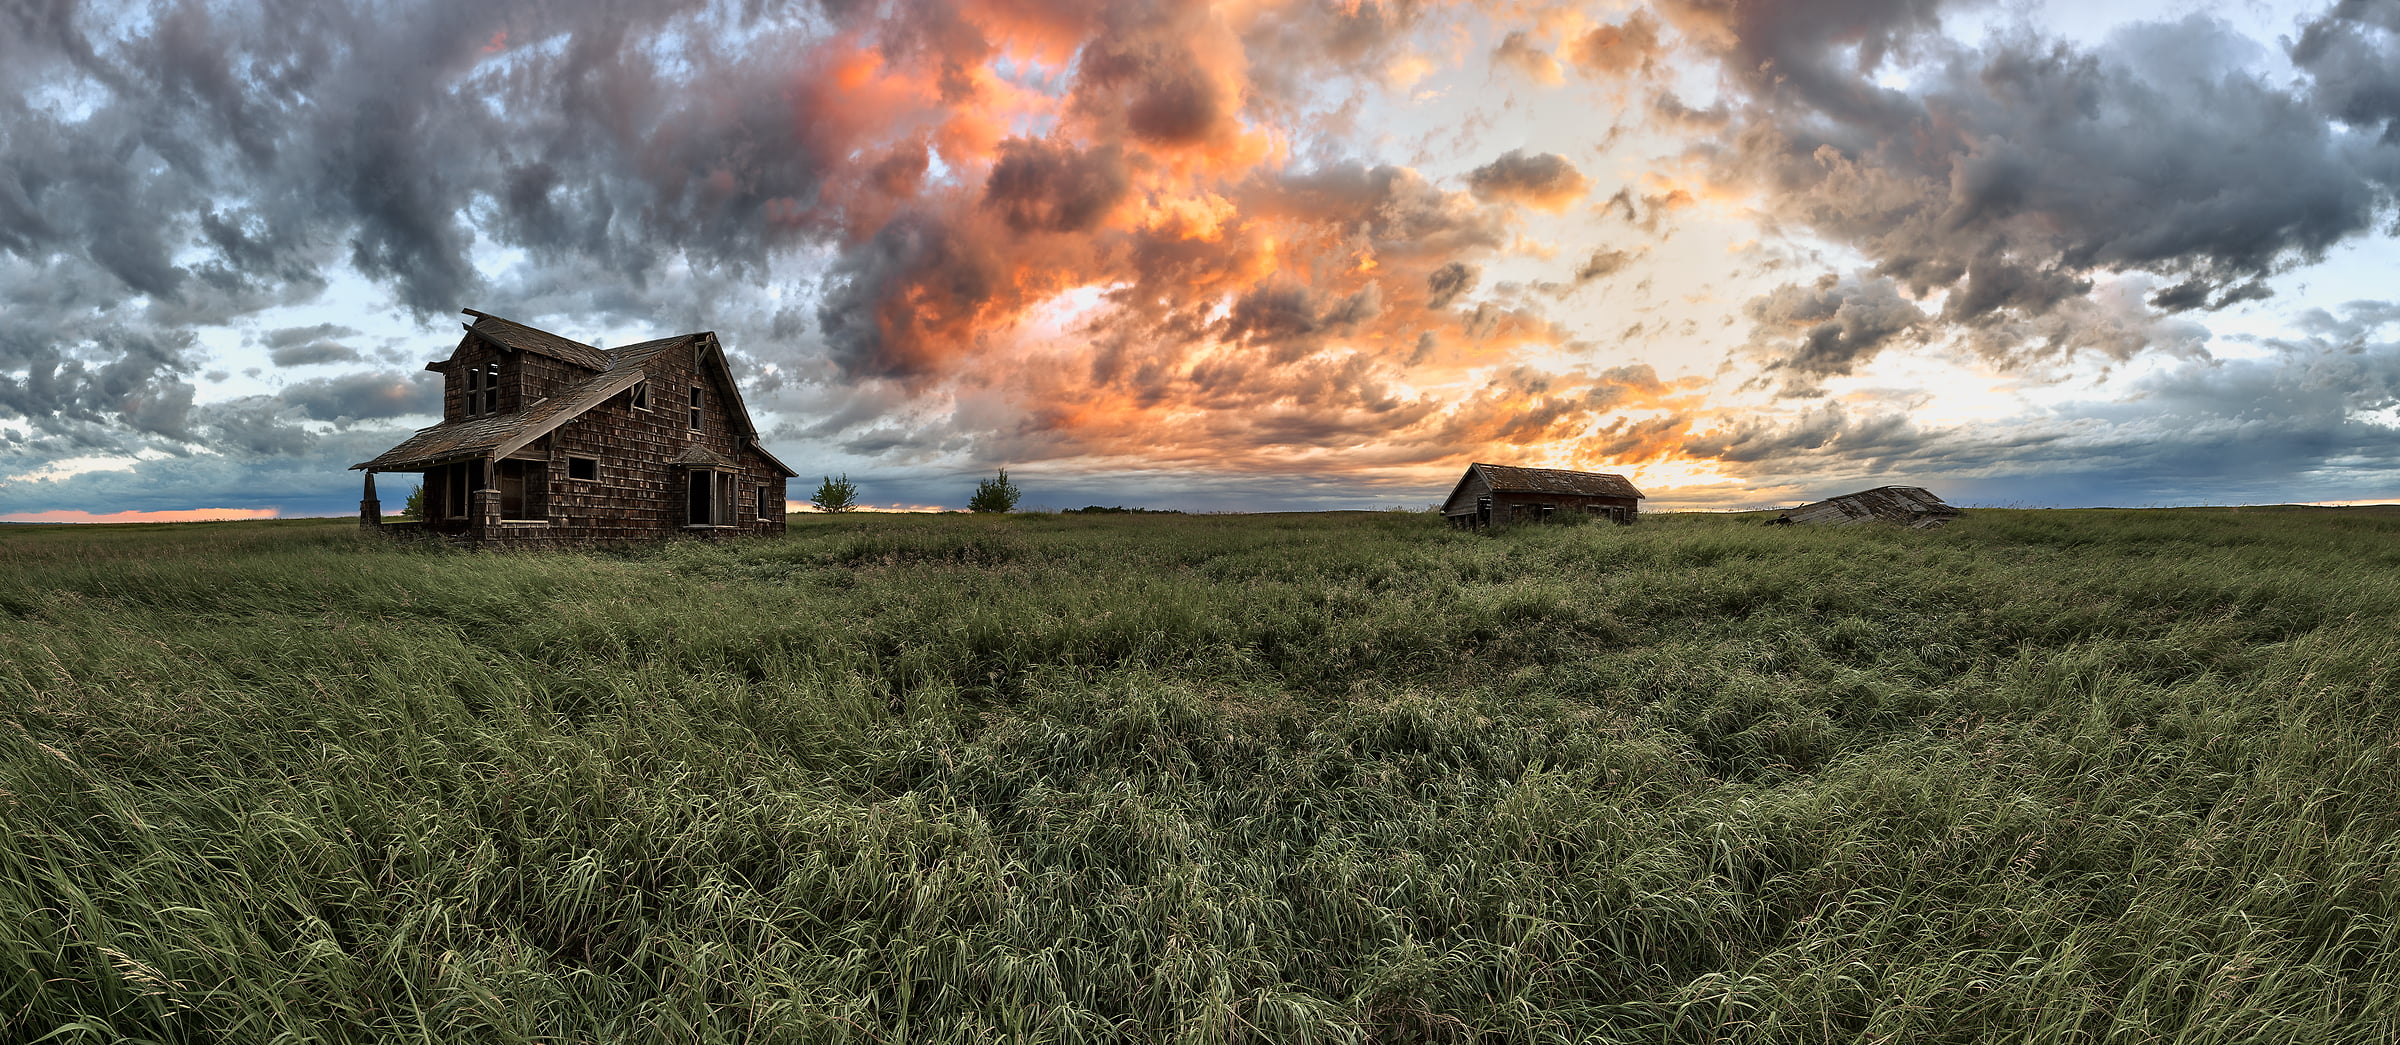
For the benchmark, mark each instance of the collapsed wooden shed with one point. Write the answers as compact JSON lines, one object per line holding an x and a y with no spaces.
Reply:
{"x":1912,"y":506}
{"x":1504,"y":495}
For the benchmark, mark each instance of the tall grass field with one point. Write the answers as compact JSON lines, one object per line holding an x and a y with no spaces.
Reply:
{"x":2041,"y":776}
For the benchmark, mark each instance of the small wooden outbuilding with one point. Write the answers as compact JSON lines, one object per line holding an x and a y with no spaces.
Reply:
{"x":1505,"y":495}
{"x":546,"y":439}
{"x":1912,"y":506}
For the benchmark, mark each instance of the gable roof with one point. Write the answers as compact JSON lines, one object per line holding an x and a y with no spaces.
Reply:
{"x":501,"y":434}
{"x":1906,"y":505}
{"x":617,"y":370}
{"x":1504,"y":478}
{"x":510,"y":334}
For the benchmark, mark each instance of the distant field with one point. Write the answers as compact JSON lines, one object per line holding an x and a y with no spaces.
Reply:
{"x":2043,"y":776}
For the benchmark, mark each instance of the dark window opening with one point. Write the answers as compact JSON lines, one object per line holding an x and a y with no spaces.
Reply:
{"x":491,"y":389}
{"x":474,"y":392}
{"x":584,"y":468}
{"x":695,"y":408}
{"x":641,"y":395}
{"x":710,"y":499}
{"x":764,"y":511}
{"x":524,"y":490}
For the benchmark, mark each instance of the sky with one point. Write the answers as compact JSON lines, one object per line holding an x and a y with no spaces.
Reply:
{"x":1233,"y":256}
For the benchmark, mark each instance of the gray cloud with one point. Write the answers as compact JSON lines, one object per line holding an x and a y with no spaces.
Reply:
{"x":1543,"y":180}
{"x":1834,"y":325}
{"x":2008,"y":175}
{"x":366,"y":395}
{"x":1602,"y":264}
{"x":1448,"y":282}
{"x":2312,"y":419}
{"x":309,"y":345}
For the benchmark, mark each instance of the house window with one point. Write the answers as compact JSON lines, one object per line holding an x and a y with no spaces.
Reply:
{"x":695,"y":408}
{"x":763,"y":510}
{"x":586,"y":469}
{"x":474,"y":391}
{"x":641,"y":395}
{"x":524,"y":490}
{"x":710,"y":499}
{"x":491,"y":389}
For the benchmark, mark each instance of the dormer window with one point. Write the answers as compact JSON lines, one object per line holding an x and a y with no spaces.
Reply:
{"x":695,"y":408}
{"x":474,"y":391}
{"x":491,"y":389}
{"x":641,"y":395}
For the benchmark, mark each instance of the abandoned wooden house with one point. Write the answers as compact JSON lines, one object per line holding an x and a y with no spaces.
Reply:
{"x":1504,"y":495}
{"x":546,"y":439}
{"x":1911,"y":506}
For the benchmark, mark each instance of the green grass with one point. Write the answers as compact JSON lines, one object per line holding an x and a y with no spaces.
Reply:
{"x":2044,"y":776}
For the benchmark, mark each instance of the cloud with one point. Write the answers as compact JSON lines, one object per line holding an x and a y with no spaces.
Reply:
{"x":366,"y":395}
{"x":1517,"y":51}
{"x":1831,"y":326}
{"x":1602,"y":264}
{"x":1040,"y":186}
{"x":309,"y":345}
{"x":2007,"y":176}
{"x":1448,"y":282}
{"x":1617,"y":51}
{"x":1543,"y":180}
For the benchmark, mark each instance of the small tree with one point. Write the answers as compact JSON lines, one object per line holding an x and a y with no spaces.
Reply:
{"x":836,"y":495}
{"x":994,"y":495}
{"x":416,"y":503}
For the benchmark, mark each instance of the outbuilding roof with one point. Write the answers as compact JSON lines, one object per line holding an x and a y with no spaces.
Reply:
{"x":1912,"y":506}
{"x":1504,"y":478}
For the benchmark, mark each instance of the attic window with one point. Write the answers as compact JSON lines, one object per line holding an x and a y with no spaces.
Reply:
{"x":641,"y":395}
{"x":491,"y":389}
{"x":474,"y":391}
{"x":695,"y":408}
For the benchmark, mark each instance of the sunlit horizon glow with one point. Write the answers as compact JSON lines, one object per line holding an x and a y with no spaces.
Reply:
{"x":1257,"y":254}
{"x":185,"y":515}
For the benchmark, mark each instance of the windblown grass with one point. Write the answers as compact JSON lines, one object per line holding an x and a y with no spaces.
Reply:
{"x":2041,"y":777}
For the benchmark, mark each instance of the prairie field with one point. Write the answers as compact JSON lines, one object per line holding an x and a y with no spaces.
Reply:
{"x":2041,"y":776}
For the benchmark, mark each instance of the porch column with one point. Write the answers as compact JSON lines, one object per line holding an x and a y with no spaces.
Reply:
{"x":370,"y":510}
{"x":483,"y":506}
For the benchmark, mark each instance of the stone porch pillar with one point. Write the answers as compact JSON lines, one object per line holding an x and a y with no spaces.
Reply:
{"x":370,"y":510}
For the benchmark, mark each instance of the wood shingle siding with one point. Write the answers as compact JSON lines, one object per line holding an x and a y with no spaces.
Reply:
{"x":561,"y":407}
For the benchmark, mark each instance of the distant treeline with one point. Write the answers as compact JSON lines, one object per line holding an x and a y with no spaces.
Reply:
{"x":1093,"y":509}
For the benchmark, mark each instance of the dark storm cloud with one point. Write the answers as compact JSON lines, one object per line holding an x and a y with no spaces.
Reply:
{"x":212,"y":161}
{"x":2007,"y":176}
{"x":1543,"y":180}
{"x":2352,"y":56}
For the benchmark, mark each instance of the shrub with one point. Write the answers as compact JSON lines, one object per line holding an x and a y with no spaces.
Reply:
{"x":836,"y":495}
{"x":995,"y":495}
{"x":415,"y":509}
